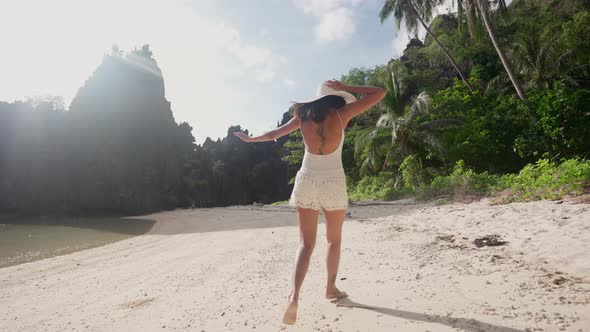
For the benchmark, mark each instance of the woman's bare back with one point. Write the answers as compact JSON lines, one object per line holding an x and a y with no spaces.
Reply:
{"x":324,"y":137}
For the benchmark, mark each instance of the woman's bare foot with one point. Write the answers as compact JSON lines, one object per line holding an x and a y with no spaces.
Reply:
{"x":290,"y":314}
{"x":335,"y":294}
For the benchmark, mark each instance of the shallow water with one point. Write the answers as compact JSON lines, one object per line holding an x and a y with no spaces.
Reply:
{"x":25,"y":240}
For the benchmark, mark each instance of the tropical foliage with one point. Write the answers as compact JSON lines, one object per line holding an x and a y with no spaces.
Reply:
{"x":491,"y":130}
{"x":542,"y":180}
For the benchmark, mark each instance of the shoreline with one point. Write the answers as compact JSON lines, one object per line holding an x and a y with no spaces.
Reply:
{"x":30,"y":239}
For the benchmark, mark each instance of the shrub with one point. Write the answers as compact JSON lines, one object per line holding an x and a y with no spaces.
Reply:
{"x":561,"y":131}
{"x":542,"y":180}
{"x":546,"y":180}
{"x":412,"y":172}
{"x":384,"y":186}
{"x":462,"y":184}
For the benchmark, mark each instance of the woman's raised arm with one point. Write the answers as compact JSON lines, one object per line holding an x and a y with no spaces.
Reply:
{"x":272,"y":135}
{"x":373,"y":95}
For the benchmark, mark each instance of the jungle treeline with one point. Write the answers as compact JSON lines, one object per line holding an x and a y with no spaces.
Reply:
{"x":491,"y":87}
{"x":118,"y":150}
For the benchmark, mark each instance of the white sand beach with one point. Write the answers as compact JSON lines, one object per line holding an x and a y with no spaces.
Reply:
{"x":414,"y":267}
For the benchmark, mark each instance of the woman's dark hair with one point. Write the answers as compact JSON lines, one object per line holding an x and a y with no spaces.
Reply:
{"x":316,"y":110}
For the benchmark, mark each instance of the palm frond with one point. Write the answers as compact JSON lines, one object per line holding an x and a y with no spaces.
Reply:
{"x":393,"y":8}
{"x":394,"y":86}
{"x":537,"y":58}
{"x":387,"y":10}
{"x":407,"y":11}
{"x":364,"y":139}
{"x":429,"y":139}
{"x":500,"y":84}
{"x":440,"y":124}
{"x":460,"y":12}
{"x":391,"y":99}
{"x":393,"y":135}
{"x":501,"y":4}
{"x":367,"y":165}
{"x":385,"y":121}
{"x":420,"y":105}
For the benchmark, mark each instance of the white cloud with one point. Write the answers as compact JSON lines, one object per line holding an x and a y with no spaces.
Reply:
{"x":335,"y":25}
{"x":289,"y":83}
{"x":320,"y":7}
{"x":264,"y":32}
{"x":249,"y":55}
{"x":264,"y":75}
{"x":334,"y":18}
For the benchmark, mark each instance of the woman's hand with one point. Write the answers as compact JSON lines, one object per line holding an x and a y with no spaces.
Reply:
{"x":336,"y":85}
{"x":243,"y":136}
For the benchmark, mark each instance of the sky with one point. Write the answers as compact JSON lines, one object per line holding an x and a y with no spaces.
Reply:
{"x":224,"y":62}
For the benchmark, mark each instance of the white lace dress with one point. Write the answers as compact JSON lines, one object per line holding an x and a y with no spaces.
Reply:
{"x":321,"y":182}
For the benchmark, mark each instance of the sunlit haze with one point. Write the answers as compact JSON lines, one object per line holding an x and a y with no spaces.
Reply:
{"x":224,"y":62}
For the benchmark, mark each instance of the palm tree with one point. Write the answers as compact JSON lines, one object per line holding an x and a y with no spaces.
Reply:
{"x":399,"y":133}
{"x":414,"y":12}
{"x":540,"y":60}
{"x":375,"y":140}
{"x":481,"y":11}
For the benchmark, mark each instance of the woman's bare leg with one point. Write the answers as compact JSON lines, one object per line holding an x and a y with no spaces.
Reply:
{"x":334,"y":221}
{"x":308,"y":226}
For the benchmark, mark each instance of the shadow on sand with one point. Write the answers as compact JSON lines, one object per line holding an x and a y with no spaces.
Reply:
{"x":464,"y":324}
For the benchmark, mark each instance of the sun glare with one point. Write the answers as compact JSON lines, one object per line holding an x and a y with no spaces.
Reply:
{"x":52,"y":47}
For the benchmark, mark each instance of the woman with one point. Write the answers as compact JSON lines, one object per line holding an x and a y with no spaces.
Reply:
{"x":321,"y":183}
